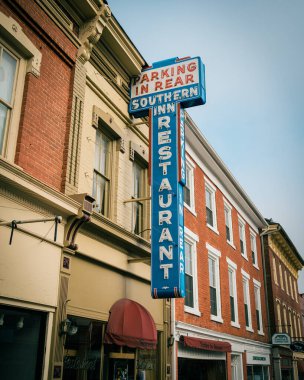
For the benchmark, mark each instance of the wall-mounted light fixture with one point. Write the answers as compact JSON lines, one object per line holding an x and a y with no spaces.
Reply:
{"x":68,"y":327}
{"x":170,"y":341}
{"x":2,"y":319}
{"x":20,"y":323}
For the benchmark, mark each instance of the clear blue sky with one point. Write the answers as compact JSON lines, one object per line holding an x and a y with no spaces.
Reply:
{"x":254,"y":57}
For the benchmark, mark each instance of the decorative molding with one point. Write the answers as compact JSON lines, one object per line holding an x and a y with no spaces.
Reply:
{"x":91,"y":32}
{"x":13,"y":31}
{"x":274,"y":245}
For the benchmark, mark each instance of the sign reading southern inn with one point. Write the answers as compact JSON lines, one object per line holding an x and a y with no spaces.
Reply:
{"x":162,"y":91}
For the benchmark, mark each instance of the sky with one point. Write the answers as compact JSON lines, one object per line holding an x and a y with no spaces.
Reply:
{"x":253,"y":51}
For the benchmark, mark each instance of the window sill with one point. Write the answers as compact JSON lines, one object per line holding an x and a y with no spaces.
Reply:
{"x":256,"y":266}
{"x":231,"y":244}
{"x":216,"y":319}
{"x":244,"y":256}
{"x":250,"y":329}
{"x":261,"y":333}
{"x":191,"y":209}
{"x":213,"y":229}
{"x":234,"y":324}
{"x":193,"y":311}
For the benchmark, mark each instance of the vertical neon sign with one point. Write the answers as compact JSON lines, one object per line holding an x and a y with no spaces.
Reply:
{"x":163,"y":90}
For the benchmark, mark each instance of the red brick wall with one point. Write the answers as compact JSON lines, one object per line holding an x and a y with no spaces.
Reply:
{"x":197,"y":224}
{"x":44,"y":119}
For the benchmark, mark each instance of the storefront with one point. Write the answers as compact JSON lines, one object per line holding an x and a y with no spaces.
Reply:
{"x":125,"y":347}
{"x":257,"y":366}
{"x":202,"y":358}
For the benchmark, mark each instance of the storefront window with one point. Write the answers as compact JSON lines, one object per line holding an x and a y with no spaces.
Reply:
{"x":257,"y":372}
{"x":22,"y":337}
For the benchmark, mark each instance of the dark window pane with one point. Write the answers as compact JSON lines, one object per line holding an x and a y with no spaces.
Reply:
{"x":187,"y":195}
{"x":209,"y":216}
{"x":253,"y":257}
{"x":213,"y":303}
{"x":246,"y":315}
{"x":258,"y":319}
{"x":189,"y":291}
{"x":232,"y":309}
{"x":227,"y":233}
{"x":242,"y":245}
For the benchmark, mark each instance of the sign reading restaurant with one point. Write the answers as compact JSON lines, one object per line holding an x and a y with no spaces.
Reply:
{"x":162,"y":91}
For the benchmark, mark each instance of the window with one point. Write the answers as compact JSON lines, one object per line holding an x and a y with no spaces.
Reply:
{"x":210,"y":206}
{"x":246,"y":295}
{"x":242,"y":238}
{"x":214,"y":283}
{"x":275,"y":273}
{"x":285,"y":327}
{"x":232,"y":267}
{"x":281,"y":276}
{"x":102,"y":169}
{"x":8,"y":74}
{"x":258,"y":309}
{"x":138,"y":192}
{"x":14,"y":64}
{"x":228,"y":222}
{"x":299,"y":326}
{"x":295,"y":290}
{"x":286,"y":282}
{"x":191,"y":298}
{"x":253,"y":248}
{"x":291,"y":287}
{"x":291,"y":324}
{"x":279,"y":318}
{"x":189,"y":187}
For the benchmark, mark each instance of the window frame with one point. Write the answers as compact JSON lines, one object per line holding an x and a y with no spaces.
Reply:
{"x":246,"y":291}
{"x":29,"y":58}
{"x":192,"y":239}
{"x":275,"y":272}
{"x":143,"y":193}
{"x":242,"y":237}
{"x":258,"y":305}
{"x":281,"y":276}
{"x":190,"y":166}
{"x":215,"y":255}
{"x":209,"y":187}
{"x":232,"y":268}
{"x":253,"y":249}
{"x":228,"y":209}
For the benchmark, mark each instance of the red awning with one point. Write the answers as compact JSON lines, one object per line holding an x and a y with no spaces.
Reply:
{"x":130,"y":324}
{"x":205,"y":344}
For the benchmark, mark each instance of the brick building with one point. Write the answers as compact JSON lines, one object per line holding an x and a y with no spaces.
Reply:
{"x":220,"y":328}
{"x":282,"y":265}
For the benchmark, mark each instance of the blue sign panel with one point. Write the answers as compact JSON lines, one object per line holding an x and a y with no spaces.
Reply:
{"x":164,"y":90}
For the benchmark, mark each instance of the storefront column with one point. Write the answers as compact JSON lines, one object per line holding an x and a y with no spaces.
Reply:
{"x":228,"y":366}
{"x":276,"y":364}
{"x":295,"y":369}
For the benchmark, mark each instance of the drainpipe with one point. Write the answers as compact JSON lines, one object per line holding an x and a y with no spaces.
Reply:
{"x":173,"y":348}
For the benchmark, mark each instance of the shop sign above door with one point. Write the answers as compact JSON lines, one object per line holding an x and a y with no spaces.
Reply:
{"x":162,"y":91}
{"x":280,"y":339}
{"x":297,"y":346}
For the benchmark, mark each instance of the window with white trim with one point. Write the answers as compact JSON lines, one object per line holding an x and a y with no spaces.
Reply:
{"x":189,"y":187}
{"x":210,"y":205}
{"x":228,"y":222}
{"x":286,"y":282}
{"x":275,"y":273}
{"x":191,"y":287}
{"x":242,"y":236}
{"x":18,"y":56}
{"x":139,"y":191}
{"x":247,"y":306}
{"x":281,"y":276}
{"x":258,"y":308}
{"x":234,"y":315}
{"x":214,"y":283}
{"x":253,"y":247}
{"x":102,"y":172}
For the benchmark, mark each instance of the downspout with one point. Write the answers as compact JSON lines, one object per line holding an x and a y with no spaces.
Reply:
{"x":173,"y":348}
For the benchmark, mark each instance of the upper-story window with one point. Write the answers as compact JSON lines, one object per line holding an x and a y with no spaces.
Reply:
{"x":291,"y":287}
{"x":275,"y":273}
{"x":228,"y":222}
{"x":281,"y":276}
{"x":285,"y":324}
{"x":242,"y":236}
{"x":279,"y":318}
{"x":18,"y":55}
{"x":253,"y":247}
{"x":8,"y":75}
{"x":102,"y":172}
{"x":247,"y":305}
{"x":214,"y":283}
{"x":286,"y":282}
{"x":258,"y":308}
{"x":234,"y":315}
{"x":138,"y":193}
{"x":210,"y":205}
{"x":191,"y":298}
{"x":189,"y":187}
{"x":295,"y":290}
